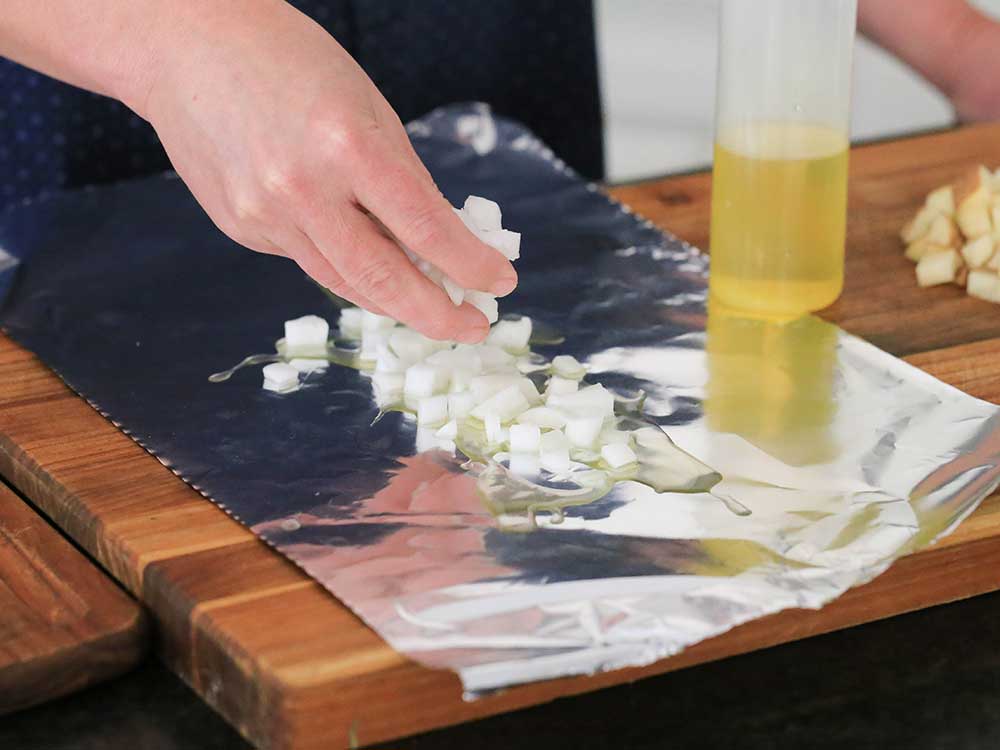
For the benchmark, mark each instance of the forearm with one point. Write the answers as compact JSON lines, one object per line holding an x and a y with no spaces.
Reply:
{"x":115,"y":47}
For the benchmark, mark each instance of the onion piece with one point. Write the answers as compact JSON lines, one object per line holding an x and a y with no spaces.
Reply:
{"x":543,"y":417}
{"x":448,"y":432}
{"x":583,"y":431}
{"x":511,"y":335}
{"x":388,"y":387}
{"x":592,"y":400}
{"x":524,"y":438}
{"x":432,"y":410}
{"x":460,"y":405}
{"x":566,"y":366}
{"x":483,"y":213}
{"x":280,"y":377}
{"x":505,"y":405}
{"x":558,"y":386}
{"x":306,"y":336}
{"x":618,"y":455}
{"x":424,"y":380}
{"x":350,"y":322}
{"x":485,"y":303}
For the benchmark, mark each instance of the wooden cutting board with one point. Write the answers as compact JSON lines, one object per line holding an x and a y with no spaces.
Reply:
{"x":64,"y":624}
{"x":290,"y":667}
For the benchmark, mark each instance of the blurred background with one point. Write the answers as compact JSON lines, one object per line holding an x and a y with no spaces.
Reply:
{"x":657,"y":67}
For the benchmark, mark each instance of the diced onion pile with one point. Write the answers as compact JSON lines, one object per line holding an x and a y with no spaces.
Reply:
{"x":496,"y":394}
{"x":955,"y":237}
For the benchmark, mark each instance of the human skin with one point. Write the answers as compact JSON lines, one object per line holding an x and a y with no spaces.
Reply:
{"x":949,"y":42}
{"x":281,"y":137}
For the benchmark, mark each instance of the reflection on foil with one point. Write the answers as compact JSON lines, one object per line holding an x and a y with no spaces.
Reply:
{"x":846,"y":456}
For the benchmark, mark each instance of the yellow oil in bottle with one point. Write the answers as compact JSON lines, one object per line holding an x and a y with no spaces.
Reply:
{"x":779,"y":211}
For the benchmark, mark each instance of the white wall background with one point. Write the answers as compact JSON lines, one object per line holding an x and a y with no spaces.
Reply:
{"x":657,"y":67}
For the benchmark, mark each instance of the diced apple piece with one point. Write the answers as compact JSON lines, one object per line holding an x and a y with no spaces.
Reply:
{"x":978,"y":251}
{"x":962,"y":276}
{"x":943,"y":232}
{"x":973,"y":218}
{"x":942,"y":200}
{"x":917,"y":250}
{"x":973,"y":196}
{"x":938,"y":268}
{"x":984,"y":285}
{"x":919,"y":226}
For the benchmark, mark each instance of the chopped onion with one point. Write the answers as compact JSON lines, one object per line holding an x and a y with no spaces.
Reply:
{"x":594,"y":399}
{"x":460,"y":405}
{"x":350,"y":322}
{"x":448,"y":432}
{"x":505,"y":405}
{"x":386,"y":361}
{"x":280,"y":377}
{"x":566,"y":366}
{"x":494,"y":358}
{"x":524,"y":438}
{"x":524,"y":464}
{"x":531,"y":394}
{"x":454,"y":291}
{"x":618,"y":455}
{"x":412,"y":347}
{"x":544,"y":417}
{"x":554,"y":452}
{"x":372,"y":322}
{"x":511,"y":335}
{"x":483,"y":213}
{"x":306,"y":336}
{"x":483,"y":387}
{"x":558,"y":386}
{"x":582,"y":431}
{"x":388,"y":387}
{"x":424,"y":380}
{"x":508,"y":243}
{"x":494,"y":432}
{"x":485,"y":303}
{"x":432,"y":410}
{"x":371,"y":342}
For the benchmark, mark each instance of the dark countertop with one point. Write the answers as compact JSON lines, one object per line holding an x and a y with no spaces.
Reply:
{"x":924,"y":681}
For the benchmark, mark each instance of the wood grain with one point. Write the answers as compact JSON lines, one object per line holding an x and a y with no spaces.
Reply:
{"x":292,"y":668}
{"x":64,"y":624}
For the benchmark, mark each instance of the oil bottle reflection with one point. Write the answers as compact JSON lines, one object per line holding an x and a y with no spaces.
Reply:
{"x":772,"y":383}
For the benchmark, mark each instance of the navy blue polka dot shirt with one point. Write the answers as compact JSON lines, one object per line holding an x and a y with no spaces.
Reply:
{"x":534,"y":60}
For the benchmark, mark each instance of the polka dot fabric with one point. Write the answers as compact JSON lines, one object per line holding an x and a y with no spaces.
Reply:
{"x":531,"y":59}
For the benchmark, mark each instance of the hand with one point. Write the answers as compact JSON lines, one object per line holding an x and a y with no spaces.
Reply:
{"x":291,"y":150}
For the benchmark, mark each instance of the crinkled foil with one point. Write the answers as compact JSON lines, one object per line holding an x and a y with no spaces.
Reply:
{"x":846,"y":456}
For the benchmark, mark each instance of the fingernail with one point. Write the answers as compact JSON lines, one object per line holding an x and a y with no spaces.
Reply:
{"x":505,"y":286}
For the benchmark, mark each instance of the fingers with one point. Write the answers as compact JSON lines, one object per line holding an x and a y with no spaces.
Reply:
{"x":301,"y":249}
{"x":409,"y":204}
{"x":375,"y":268}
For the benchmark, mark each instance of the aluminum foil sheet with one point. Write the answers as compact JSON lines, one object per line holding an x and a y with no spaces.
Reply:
{"x":846,"y":457}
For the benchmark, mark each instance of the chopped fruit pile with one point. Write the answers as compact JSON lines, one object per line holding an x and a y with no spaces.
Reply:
{"x":954,"y":237}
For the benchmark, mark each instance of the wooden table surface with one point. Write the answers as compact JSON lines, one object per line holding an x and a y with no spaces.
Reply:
{"x":290,"y":667}
{"x":64,"y":625}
